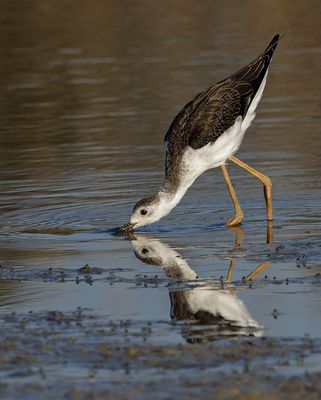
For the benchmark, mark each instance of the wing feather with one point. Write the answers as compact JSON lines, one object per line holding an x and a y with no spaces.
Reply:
{"x":212,"y":112}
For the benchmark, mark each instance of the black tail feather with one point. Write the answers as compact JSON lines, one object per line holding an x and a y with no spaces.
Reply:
{"x":274,"y":42}
{"x":272,"y":45}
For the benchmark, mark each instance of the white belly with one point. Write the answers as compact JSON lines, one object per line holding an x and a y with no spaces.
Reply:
{"x":195,"y":162}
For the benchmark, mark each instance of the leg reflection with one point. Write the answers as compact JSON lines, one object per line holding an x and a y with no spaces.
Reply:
{"x":239,"y":233}
{"x":207,"y":309}
{"x":257,"y":270}
{"x":230,"y":270}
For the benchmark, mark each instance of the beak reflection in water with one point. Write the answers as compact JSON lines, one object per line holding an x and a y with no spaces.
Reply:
{"x":208,"y":309}
{"x":127,"y":228}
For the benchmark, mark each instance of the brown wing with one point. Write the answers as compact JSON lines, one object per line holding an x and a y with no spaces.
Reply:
{"x":213,"y":111}
{"x":217,"y":113}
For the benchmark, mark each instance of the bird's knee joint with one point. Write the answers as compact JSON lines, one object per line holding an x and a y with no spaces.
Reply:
{"x":267,"y":183}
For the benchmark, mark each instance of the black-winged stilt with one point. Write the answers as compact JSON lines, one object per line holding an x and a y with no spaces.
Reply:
{"x":205,"y":134}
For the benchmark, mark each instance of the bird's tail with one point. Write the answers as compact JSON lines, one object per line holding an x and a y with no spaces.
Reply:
{"x":272,"y":45}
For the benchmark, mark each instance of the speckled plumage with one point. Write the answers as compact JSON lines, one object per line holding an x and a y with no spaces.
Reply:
{"x":212,"y":112}
{"x":144,"y":202}
{"x":205,"y":133}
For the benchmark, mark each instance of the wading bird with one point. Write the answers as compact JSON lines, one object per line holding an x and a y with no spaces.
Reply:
{"x":205,"y":134}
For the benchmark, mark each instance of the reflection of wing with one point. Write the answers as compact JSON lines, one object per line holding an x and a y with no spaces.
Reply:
{"x":209,"y":304}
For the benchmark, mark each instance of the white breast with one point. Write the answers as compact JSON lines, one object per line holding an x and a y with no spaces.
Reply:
{"x":195,"y":162}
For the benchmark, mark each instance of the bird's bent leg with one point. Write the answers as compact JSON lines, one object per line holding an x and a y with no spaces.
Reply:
{"x":257,"y":270}
{"x":267,"y":184}
{"x":238,"y":211}
{"x":230,"y":270}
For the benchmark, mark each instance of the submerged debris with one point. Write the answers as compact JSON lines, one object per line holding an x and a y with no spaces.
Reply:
{"x":87,"y":269}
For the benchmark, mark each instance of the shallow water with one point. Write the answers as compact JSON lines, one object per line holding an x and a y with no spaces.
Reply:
{"x":85,"y":101}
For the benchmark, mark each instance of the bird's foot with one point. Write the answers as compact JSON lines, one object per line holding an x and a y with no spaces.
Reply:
{"x":234,"y":221}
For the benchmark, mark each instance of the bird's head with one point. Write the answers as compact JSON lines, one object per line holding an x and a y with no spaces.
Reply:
{"x":148,"y":210}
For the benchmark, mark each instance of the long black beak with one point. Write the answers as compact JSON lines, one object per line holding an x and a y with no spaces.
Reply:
{"x":127,"y":227}
{"x":126,"y":230}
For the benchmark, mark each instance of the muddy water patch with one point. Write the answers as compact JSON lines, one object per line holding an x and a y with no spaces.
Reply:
{"x":261,"y":302}
{"x":92,"y":353}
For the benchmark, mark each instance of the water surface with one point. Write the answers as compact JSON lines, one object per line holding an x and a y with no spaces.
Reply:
{"x":85,"y":100}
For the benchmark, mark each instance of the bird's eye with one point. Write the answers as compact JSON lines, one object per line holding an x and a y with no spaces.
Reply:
{"x":143,"y":212}
{"x":145,"y":251}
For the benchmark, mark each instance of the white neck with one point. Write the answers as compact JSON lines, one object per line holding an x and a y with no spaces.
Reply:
{"x":170,"y":198}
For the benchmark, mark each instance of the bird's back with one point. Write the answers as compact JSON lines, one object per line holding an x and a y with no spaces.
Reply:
{"x":212,"y":112}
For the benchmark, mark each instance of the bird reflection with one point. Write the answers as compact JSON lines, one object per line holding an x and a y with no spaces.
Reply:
{"x":209,"y":308}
